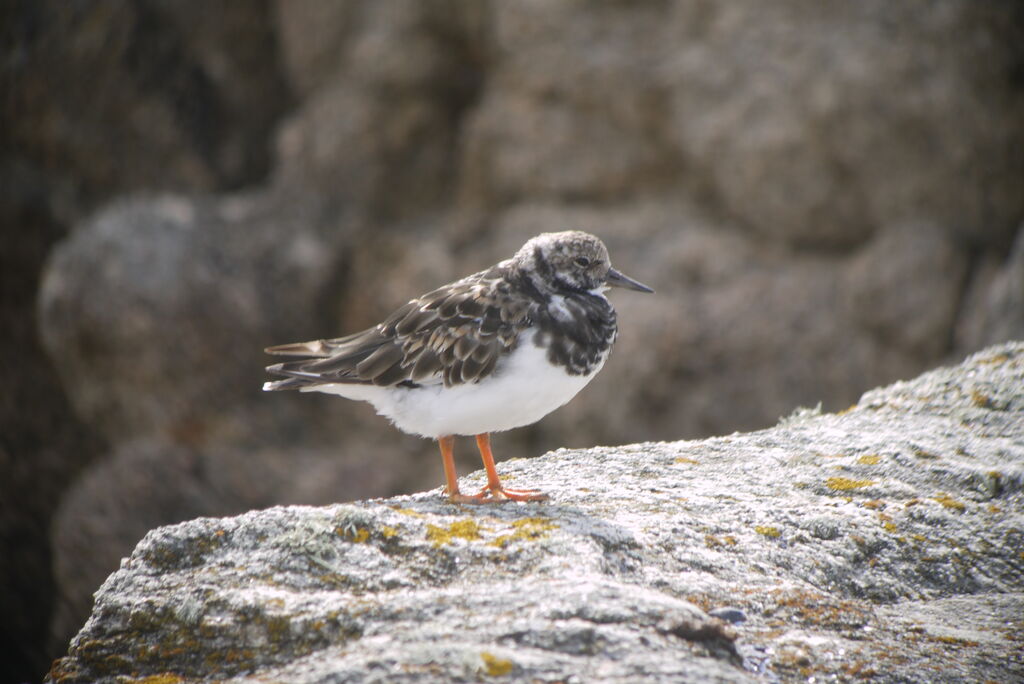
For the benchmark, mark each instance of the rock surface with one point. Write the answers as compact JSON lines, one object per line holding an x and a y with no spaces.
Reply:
{"x":882,"y":542}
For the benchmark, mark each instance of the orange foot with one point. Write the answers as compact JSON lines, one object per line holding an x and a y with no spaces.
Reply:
{"x":493,"y":492}
{"x":489,"y":495}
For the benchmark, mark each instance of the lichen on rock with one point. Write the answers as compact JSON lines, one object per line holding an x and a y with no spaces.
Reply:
{"x":840,"y":550}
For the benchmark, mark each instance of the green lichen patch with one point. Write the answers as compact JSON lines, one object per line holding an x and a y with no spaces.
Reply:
{"x":769,"y":531}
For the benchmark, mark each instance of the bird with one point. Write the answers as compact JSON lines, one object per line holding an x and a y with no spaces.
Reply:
{"x":496,"y":350}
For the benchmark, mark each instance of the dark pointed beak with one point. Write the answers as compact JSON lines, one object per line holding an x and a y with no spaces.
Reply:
{"x":616,"y":279}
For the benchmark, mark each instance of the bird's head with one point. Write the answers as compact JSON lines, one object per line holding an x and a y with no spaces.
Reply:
{"x":571,"y":261}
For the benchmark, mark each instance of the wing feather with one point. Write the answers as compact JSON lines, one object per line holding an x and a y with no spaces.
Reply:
{"x":455,"y":335}
{"x":380,"y":363}
{"x":427,"y":365}
{"x":464,"y":346}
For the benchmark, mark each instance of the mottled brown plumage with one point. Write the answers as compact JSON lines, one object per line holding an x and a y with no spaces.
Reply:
{"x":542,"y":311}
{"x":454,"y":334}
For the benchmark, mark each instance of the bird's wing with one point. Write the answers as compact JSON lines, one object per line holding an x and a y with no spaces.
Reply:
{"x":453,"y":335}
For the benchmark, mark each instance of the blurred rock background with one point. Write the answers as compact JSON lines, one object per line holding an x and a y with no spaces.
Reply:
{"x":826,"y":197}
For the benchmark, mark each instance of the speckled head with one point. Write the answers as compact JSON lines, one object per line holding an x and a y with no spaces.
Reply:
{"x":571,"y":261}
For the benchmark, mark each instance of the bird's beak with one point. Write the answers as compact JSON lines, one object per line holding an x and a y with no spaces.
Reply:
{"x":616,"y":279}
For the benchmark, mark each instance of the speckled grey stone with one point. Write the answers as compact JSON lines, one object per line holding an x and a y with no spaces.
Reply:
{"x":882,"y":542}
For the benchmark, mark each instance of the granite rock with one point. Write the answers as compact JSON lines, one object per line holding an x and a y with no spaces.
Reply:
{"x":880,"y":542}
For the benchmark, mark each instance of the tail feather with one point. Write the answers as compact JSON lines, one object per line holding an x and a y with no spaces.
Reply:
{"x":323,"y":361}
{"x":286,"y":384}
{"x":318,"y":348}
{"x":297,"y":377}
{"x":314,"y":348}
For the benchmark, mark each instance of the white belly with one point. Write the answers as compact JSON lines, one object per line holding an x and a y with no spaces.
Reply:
{"x":522,"y":390}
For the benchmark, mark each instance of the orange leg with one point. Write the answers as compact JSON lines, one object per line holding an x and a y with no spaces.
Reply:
{"x":483,"y":443}
{"x":493,"y":492}
{"x":451,"y":478}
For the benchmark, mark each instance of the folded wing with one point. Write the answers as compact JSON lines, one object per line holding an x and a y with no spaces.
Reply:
{"x":454,"y":335}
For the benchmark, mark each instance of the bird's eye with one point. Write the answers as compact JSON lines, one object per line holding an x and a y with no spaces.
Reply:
{"x":581,"y":261}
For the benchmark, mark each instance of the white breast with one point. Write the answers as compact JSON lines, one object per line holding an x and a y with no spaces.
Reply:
{"x":524,"y":388}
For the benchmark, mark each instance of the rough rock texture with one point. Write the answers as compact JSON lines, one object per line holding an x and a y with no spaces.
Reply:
{"x":826,"y":197}
{"x":882,"y":542}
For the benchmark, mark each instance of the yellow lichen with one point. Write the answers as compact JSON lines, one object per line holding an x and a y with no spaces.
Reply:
{"x":495,"y":666}
{"x":388,"y":532}
{"x":887,"y":522}
{"x":949,"y":502}
{"x":407,"y":511}
{"x":954,"y":641}
{"x":684,"y":459}
{"x":845,"y":484}
{"x":358,"y":535}
{"x":166,"y":678}
{"x":768,"y":531}
{"x":980,"y":399}
{"x":525,"y":529}
{"x":712,"y":542}
{"x":869,"y":459}
{"x":467,"y":529}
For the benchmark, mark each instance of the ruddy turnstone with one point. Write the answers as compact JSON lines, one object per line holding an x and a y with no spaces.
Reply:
{"x":497,"y":350}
